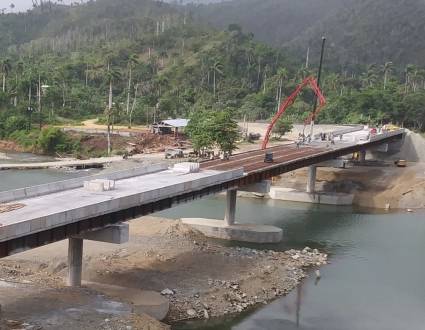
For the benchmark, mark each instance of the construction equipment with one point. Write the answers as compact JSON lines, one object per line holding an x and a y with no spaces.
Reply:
{"x":268,"y":157}
{"x":401,"y":163}
{"x":309,"y":81}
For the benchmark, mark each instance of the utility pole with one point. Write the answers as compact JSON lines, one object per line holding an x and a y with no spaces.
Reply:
{"x":319,"y":75}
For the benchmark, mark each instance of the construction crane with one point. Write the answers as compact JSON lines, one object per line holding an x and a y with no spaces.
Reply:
{"x":309,"y":81}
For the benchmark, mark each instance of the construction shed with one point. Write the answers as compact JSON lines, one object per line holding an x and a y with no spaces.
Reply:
{"x":170,"y":126}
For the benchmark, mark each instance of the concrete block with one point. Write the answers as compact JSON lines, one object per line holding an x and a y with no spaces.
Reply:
{"x":288,"y":194}
{"x":99,"y":185}
{"x":186,"y":167}
{"x":236,"y":232}
{"x":114,"y":234}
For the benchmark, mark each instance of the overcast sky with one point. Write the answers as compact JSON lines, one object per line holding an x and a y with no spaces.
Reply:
{"x":23,"y":5}
{"x":20,"y":5}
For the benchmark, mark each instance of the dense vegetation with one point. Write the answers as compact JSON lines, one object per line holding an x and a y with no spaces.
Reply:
{"x":361,"y":32}
{"x":140,"y":61}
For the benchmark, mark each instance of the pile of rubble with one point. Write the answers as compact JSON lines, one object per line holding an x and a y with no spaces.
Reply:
{"x":275,"y":275}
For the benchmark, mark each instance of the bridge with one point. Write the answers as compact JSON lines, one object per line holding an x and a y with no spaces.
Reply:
{"x":95,"y":207}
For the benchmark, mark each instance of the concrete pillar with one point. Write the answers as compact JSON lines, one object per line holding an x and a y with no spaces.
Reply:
{"x":362,"y":156}
{"x":229,"y":216}
{"x":75,"y":261}
{"x":311,"y":179}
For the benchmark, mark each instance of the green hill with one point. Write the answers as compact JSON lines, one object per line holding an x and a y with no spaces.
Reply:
{"x":359,"y":32}
{"x":156,"y":60}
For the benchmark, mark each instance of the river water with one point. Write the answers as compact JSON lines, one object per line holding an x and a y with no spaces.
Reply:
{"x":13,"y":179}
{"x":375,"y":279}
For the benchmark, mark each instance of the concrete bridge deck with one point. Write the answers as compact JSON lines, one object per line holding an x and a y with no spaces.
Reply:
{"x":58,"y":215}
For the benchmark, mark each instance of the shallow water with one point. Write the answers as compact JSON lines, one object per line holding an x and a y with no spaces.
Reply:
{"x":375,"y":279}
{"x":14,"y":179}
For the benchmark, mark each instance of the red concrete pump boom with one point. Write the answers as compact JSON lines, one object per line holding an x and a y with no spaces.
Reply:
{"x":309,"y":81}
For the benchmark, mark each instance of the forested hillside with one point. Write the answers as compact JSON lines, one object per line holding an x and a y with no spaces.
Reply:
{"x":272,"y":21}
{"x":360,"y":31}
{"x":138,"y":61}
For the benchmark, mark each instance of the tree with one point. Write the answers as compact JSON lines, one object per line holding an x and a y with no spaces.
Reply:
{"x":217,"y":67}
{"x":132,"y":60}
{"x":387,"y":68}
{"x":5,"y":67}
{"x":283,"y":126}
{"x":282,"y":74}
{"x":112,"y":74}
{"x":208,"y":129}
{"x":225,"y":131}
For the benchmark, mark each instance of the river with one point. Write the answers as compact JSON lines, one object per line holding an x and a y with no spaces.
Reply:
{"x":375,"y":279}
{"x":13,"y":179}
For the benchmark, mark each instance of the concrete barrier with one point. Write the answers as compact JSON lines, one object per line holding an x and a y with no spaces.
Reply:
{"x":52,"y":187}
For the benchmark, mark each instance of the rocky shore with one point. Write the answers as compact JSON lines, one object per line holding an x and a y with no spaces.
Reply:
{"x":200,"y":278}
{"x":275,"y":274}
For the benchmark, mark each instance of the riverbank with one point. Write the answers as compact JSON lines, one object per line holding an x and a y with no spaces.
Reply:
{"x":202,"y":278}
{"x":377,"y":187}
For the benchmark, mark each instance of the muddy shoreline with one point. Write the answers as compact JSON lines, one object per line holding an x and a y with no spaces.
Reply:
{"x":201,"y":278}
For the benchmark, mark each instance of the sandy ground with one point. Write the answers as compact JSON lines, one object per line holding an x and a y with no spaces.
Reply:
{"x":207,"y":279}
{"x":372,"y":186}
{"x":255,"y":127}
{"x":93,"y":124}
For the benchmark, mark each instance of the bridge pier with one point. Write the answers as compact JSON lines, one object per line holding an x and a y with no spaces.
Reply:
{"x":114,"y":234}
{"x":311,"y":179}
{"x":75,"y":261}
{"x":362,"y":156}
{"x":230,"y":230}
{"x":230,"y":213}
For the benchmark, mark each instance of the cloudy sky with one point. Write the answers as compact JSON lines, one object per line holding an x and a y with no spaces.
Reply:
{"x":21,"y":5}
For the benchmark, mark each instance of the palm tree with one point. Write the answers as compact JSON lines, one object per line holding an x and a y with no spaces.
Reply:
{"x":282,"y":74}
{"x":161,"y":82}
{"x":132,"y":60}
{"x":217,"y":67}
{"x":410,"y":68}
{"x":112,"y":75}
{"x":387,"y":68}
{"x":19,"y":69}
{"x":5,"y":67}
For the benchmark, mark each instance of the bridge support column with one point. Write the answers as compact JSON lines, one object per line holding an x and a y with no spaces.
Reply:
{"x":362,"y":156}
{"x":75,"y":261}
{"x":311,"y":179}
{"x":230,"y":213}
{"x":230,"y":230}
